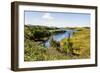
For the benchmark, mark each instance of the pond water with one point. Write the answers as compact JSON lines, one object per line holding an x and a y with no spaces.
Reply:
{"x":59,"y":37}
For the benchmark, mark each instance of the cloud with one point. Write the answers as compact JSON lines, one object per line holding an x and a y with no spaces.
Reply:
{"x":47,"y":16}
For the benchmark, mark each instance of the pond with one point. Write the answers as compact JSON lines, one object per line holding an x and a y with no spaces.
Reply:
{"x":59,"y":37}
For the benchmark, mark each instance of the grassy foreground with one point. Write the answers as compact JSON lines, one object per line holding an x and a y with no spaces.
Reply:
{"x":76,"y":47}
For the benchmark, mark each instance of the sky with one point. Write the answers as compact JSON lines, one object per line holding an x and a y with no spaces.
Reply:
{"x":57,"y":19}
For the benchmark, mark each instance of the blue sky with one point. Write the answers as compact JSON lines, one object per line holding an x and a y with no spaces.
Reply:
{"x":57,"y":19}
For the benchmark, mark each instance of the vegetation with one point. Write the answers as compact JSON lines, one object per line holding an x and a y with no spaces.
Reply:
{"x":79,"y":44}
{"x":75,"y":47}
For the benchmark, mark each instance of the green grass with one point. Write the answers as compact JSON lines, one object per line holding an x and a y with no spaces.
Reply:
{"x":81,"y":40}
{"x":80,"y":43}
{"x":77,"y":47}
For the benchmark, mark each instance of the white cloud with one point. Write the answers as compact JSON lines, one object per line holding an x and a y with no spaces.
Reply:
{"x":47,"y":16}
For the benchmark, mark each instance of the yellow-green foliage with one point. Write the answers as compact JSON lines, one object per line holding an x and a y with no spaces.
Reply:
{"x":80,"y":43}
{"x":35,"y":50}
{"x":81,"y":40}
{"x":65,"y":45}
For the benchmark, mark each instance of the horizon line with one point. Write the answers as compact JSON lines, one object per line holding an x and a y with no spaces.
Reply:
{"x":55,"y":26}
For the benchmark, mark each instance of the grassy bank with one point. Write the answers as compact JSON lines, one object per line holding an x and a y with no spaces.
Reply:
{"x":80,"y":43}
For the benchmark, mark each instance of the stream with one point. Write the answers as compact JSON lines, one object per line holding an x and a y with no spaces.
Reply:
{"x":59,"y":37}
